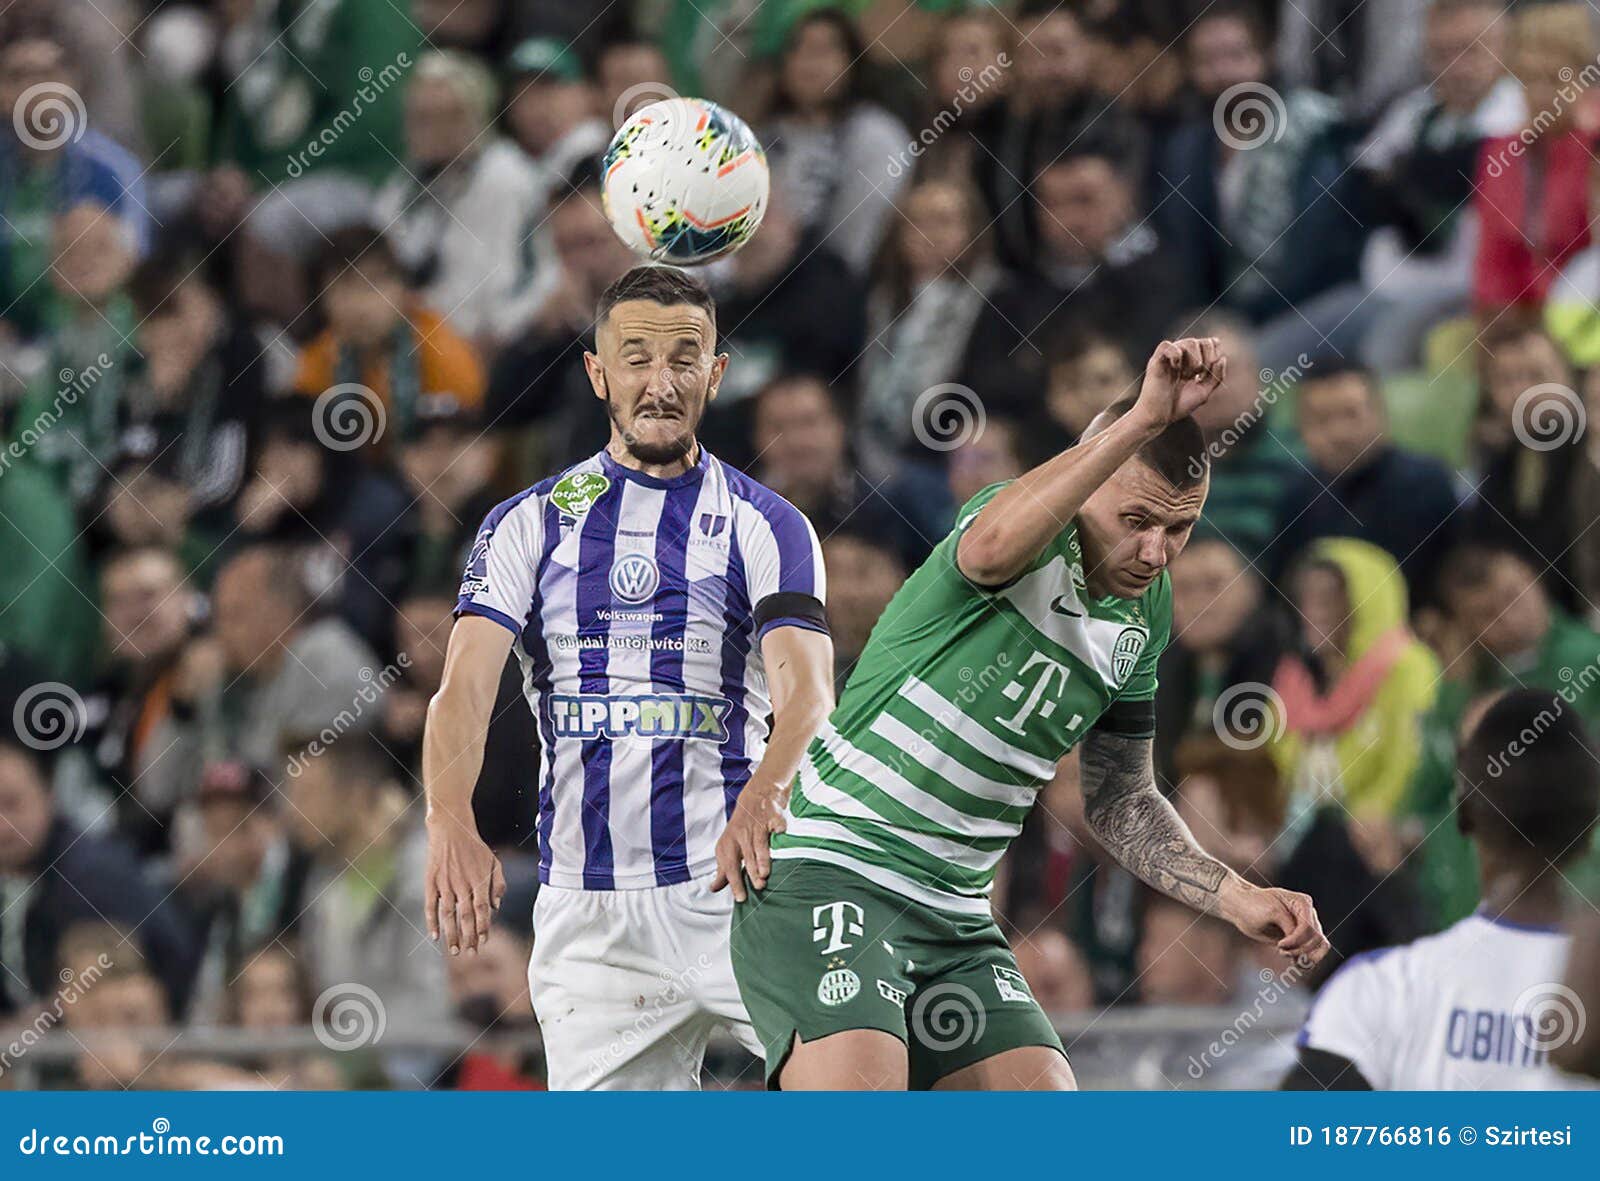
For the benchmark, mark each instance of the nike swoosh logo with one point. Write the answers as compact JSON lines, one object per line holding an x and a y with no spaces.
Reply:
{"x":1060,"y":605}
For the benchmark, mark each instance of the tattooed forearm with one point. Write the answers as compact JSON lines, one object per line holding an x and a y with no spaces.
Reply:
{"x":1137,"y":825}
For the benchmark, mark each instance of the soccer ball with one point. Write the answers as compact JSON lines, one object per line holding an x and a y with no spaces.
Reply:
{"x":685,"y":181}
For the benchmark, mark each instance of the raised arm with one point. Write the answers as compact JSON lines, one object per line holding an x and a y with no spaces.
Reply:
{"x":464,"y":878}
{"x":1022,"y":519}
{"x":1137,"y":826}
{"x":799,"y":665}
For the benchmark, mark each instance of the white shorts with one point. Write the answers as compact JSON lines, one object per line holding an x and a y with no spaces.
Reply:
{"x":629,"y":984}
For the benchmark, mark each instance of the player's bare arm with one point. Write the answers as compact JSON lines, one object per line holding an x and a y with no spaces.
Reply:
{"x":1023,"y":518}
{"x":799,"y":665}
{"x":465,"y":881}
{"x":1136,"y":824}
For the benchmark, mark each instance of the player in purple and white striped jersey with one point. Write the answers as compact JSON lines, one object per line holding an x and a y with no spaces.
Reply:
{"x":664,"y":609}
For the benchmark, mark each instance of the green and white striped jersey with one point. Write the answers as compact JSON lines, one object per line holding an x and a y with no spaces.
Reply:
{"x":957,"y":713}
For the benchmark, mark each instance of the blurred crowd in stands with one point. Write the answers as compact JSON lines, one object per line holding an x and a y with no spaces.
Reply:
{"x":293,"y":291}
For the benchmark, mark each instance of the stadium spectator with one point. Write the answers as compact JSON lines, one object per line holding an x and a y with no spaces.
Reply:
{"x":43,"y":174}
{"x":866,"y":576}
{"x":805,"y":456}
{"x":1362,"y":56}
{"x":1525,"y":446}
{"x":1086,"y":370}
{"x":236,"y":882}
{"x":1585,"y":506}
{"x":149,"y":610}
{"x":1100,"y":259}
{"x":90,"y":348}
{"x":1356,"y":477}
{"x":1055,"y":971}
{"x":968,"y":74}
{"x":443,"y":212}
{"x":1226,"y":631}
{"x":539,"y":379}
{"x":1355,"y":691}
{"x":1184,"y":960}
{"x":828,"y":144}
{"x":1052,"y":101}
{"x":1251,"y":464}
{"x":448,"y":466}
{"x":629,"y":72}
{"x":199,"y":386}
{"x":782,"y":308}
{"x":53,"y":874}
{"x":272,"y":674}
{"x":489,"y":992}
{"x":271,"y":995}
{"x":933,"y":320}
{"x":363,"y":911}
{"x":381,"y":341}
{"x":1416,"y":267}
{"x":992,"y":454}
{"x":1258,"y":219}
{"x":552,"y":112}
{"x":1526,"y":233}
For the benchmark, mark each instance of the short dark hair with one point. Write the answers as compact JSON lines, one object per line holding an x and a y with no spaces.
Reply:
{"x":1528,"y":779}
{"x":1178,"y":454}
{"x":354,"y":246}
{"x":160,"y":277}
{"x":1469,"y":567}
{"x":1319,"y":372}
{"x":660,"y":284}
{"x":1234,"y":10}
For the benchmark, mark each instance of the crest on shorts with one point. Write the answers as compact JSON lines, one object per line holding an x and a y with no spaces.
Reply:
{"x":838,"y":986}
{"x":1126,"y":652}
{"x":576,"y":494}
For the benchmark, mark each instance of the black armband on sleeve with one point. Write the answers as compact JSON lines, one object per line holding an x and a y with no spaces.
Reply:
{"x":790,"y":609}
{"x":1321,"y":1070}
{"x":1128,"y":719}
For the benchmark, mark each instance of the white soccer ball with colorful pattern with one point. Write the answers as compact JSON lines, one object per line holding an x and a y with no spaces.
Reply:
{"x":685,"y":181}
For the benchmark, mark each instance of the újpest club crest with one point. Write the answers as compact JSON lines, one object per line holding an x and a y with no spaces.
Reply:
{"x":576,"y":494}
{"x":1126,"y":652}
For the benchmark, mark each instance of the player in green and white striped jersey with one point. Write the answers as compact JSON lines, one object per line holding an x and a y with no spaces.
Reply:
{"x":1034,"y":627}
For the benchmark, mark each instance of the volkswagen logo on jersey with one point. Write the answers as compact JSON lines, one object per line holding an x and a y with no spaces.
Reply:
{"x":1126,"y":653}
{"x":634,"y":578}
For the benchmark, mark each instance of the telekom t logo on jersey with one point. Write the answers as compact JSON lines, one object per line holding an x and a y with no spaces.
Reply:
{"x":1050,"y":673}
{"x":833,"y":921}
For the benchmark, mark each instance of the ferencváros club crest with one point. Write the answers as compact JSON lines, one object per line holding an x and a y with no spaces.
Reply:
{"x":1126,"y":653}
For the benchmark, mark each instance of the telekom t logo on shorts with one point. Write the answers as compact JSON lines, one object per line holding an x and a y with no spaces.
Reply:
{"x":1050,"y":671}
{"x":833,"y":921}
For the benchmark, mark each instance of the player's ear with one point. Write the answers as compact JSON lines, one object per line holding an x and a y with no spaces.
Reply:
{"x":597,"y":375}
{"x":719,"y":366}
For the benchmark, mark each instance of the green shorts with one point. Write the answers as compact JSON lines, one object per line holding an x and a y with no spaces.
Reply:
{"x":822,"y":950}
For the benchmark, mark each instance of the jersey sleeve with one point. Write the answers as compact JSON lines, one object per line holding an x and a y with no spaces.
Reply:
{"x":1354,"y":1016}
{"x":498,"y":582}
{"x":1062,"y":544}
{"x":783,"y":565}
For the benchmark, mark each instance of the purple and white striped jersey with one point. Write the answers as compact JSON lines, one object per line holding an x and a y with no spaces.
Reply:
{"x":639,"y":605}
